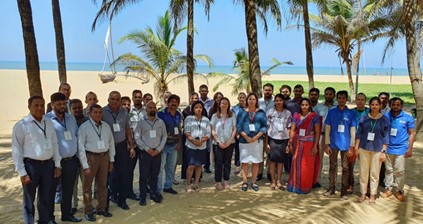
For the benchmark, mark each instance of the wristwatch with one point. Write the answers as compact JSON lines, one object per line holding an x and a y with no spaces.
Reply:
{"x":383,"y":151}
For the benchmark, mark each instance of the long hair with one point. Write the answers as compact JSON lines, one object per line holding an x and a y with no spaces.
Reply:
{"x":228,"y":111}
{"x":255,"y":96}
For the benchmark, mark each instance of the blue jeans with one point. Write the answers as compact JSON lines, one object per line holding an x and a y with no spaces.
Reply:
{"x":169,"y":157}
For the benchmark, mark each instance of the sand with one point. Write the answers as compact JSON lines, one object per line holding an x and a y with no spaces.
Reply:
{"x":208,"y":205}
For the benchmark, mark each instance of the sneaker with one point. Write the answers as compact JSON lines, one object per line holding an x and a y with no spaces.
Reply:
{"x":329,"y":192}
{"x":170,"y":191}
{"x":207,"y":170}
{"x":400,"y":196}
{"x":386,"y":194}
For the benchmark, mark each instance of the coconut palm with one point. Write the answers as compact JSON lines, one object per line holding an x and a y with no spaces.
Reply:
{"x":241,"y":82}
{"x":60,"y":43}
{"x":160,"y":61}
{"x":31,"y":53}
{"x":109,"y":8}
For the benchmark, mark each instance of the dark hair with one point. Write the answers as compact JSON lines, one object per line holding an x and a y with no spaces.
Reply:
{"x":203,"y":86}
{"x":173,"y":97}
{"x":32,"y":98}
{"x":57,"y":97}
{"x":314,"y":89}
{"x":64,"y":84}
{"x":373,"y":99}
{"x":125,"y":98}
{"x":114,"y":92}
{"x":383,"y":93}
{"x":229,"y":111}
{"x":298,"y":86}
{"x":310,"y":108}
{"x":90,"y":92}
{"x":147,"y":94}
{"x":95,"y":106}
{"x":342,"y":92}
{"x":285,"y":87}
{"x":242,"y":93}
{"x":268,"y":85}
{"x":193,"y":106}
{"x":74,"y":101}
{"x":279,"y":95}
{"x":365,"y":97}
{"x":194,"y":93}
{"x":330,"y":89}
{"x":252,"y":94}
{"x":136,"y":91}
{"x":396,"y":99}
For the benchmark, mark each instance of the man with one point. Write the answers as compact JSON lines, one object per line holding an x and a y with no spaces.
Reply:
{"x":285,"y":90}
{"x":322,"y":109}
{"x":163,"y":100}
{"x":173,"y":120}
{"x":266,"y":103}
{"x":150,"y":136}
{"x":66,"y":132}
{"x":35,"y":153}
{"x":118,"y":119}
{"x":90,"y":99}
{"x":208,"y":103}
{"x":64,"y":88}
{"x":146,"y":99}
{"x":236,"y":110}
{"x":313,"y":96}
{"x":401,"y":140}
{"x":293,"y":105}
{"x":384,"y":99}
{"x":96,"y":150}
{"x":340,"y":137}
{"x":126,"y":103}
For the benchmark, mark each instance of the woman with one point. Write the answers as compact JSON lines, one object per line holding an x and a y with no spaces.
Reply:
{"x":223,"y":127}
{"x":303,"y":144}
{"x":371,"y":142}
{"x":197,"y":132}
{"x":278,"y":125}
{"x":216,"y":100}
{"x":251,"y":127}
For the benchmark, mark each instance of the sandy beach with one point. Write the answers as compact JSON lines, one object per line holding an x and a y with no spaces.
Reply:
{"x":208,"y":205}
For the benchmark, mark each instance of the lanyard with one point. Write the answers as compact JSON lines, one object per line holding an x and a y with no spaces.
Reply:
{"x":251,"y":117}
{"x":373,"y":124}
{"x":151,"y":125}
{"x":224,"y":121}
{"x":95,"y":129}
{"x":114,"y":117}
{"x":64,"y":122}
{"x":199,"y":123}
{"x":44,"y":130}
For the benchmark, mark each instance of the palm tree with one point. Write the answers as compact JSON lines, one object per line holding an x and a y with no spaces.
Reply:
{"x":109,"y":8}
{"x":161,"y":61}
{"x":31,"y":53}
{"x":242,"y":81}
{"x":180,"y":9}
{"x":60,"y":44}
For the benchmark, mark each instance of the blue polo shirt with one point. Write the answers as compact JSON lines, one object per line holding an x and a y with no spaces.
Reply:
{"x":336,"y":117}
{"x":398,"y":144}
{"x":171,"y":123}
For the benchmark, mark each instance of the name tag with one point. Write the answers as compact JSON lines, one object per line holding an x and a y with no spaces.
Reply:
{"x":116,"y":127}
{"x":101,"y":144}
{"x":341,"y":128}
{"x":252,"y":127}
{"x":176,"y":131}
{"x":47,"y":144}
{"x":371,"y":136}
{"x":279,"y":127}
{"x":302,"y":132}
{"x":394,"y":131}
{"x":152,"y":133}
{"x":68,"y":135}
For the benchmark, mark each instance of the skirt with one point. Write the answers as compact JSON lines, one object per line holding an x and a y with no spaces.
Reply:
{"x":196,"y":157}
{"x":277,"y":152}
{"x":251,"y":152}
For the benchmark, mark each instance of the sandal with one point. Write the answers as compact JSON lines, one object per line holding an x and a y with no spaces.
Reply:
{"x":280,"y":187}
{"x":196,"y":188}
{"x":237,"y":171}
{"x":219,"y":186}
{"x":189,"y":189}
{"x":272,"y":186}
{"x":254,"y":186}
{"x":244,"y":186}
{"x":372,"y":200}
{"x":361,"y":199}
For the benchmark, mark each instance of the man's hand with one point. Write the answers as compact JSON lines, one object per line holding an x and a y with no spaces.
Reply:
{"x":87,"y":172}
{"x":26,"y":180}
{"x":132,"y":153}
{"x":328,"y":150}
{"x":110,"y":166}
{"x":57,"y":172}
{"x":409,"y":153}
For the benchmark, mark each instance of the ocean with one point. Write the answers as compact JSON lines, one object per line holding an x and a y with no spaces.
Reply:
{"x":284,"y":69}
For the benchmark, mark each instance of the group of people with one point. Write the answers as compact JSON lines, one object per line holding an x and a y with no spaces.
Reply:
{"x":102,"y":145}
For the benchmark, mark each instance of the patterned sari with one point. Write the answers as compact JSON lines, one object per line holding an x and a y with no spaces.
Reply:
{"x":304,"y":167}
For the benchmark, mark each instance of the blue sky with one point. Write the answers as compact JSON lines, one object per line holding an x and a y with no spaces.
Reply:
{"x":218,"y":37}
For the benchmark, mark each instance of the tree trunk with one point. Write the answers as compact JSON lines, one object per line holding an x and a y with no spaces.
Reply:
{"x":190,"y":48}
{"x":60,"y":44}
{"x":309,"y":49}
{"x":253,"y":53}
{"x":350,"y":80}
{"x":31,"y":53}
{"x":409,"y":7}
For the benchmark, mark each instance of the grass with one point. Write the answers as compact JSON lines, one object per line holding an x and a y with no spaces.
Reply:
{"x":397,"y":90}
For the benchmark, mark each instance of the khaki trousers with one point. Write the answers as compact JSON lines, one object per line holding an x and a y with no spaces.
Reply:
{"x":395,"y":172}
{"x":322,"y":145}
{"x":369,"y":166}
{"x":99,"y":165}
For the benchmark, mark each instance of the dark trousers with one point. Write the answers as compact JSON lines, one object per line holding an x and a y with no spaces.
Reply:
{"x":333,"y":169}
{"x":237,"y":162}
{"x":67,"y":180}
{"x":287,"y":163}
{"x":382,"y":175}
{"x":207,"y":164}
{"x":132,"y":165}
{"x":41,"y":174}
{"x":149,"y":170}
{"x":121,"y":172}
{"x":222,"y":162}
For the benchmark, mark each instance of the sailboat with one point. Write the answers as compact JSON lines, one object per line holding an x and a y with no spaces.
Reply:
{"x":108,"y":77}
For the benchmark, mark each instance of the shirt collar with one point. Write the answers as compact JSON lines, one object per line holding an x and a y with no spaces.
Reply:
{"x":92,"y":121}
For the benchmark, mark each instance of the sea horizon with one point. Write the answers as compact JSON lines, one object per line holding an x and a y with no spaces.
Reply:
{"x":228,"y":69}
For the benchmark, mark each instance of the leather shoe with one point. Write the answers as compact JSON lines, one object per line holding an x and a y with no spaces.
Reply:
{"x":104,"y":213}
{"x":259,"y":177}
{"x":207,"y":170}
{"x":124,"y":206}
{"x":156,"y":198}
{"x":71,"y":218}
{"x":73,"y":211}
{"x":90,"y":218}
{"x":170,"y":191}
{"x":143,"y":201}
{"x":134,"y":197}
{"x":114,"y":198}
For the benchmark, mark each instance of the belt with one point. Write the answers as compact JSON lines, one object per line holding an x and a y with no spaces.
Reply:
{"x":37,"y":161}
{"x":96,"y":153}
{"x":68,"y":158}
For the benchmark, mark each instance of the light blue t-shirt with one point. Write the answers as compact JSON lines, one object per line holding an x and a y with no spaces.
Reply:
{"x":398,"y":142}
{"x":340,"y":121}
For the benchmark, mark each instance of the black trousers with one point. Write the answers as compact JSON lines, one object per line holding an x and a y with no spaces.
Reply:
{"x":42,"y":175}
{"x":149,"y":170}
{"x":207,"y":164}
{"x":132,"y":165}
{"x":120,"y":176}
{"x":237,"y":162}
{"x":67,"y":179}
{"x":222,"y":162}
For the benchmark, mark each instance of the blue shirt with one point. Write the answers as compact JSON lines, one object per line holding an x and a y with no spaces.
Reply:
{"x":398,"y":144}
{"x":67,"y":148}
{"x":171,"y":123}
{"x":236,"y":109}
{"x":259,"y":120}
{"x":359,"y":115}
{"x":340,"y":140}
{"x":380,"y":127}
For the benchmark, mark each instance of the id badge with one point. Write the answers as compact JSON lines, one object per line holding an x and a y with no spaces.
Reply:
{"x":176,"y":131}
{"x":394,"y":131}
{"x":341,"y":128}
{"x":153,"y":134}
{"x":252,"y":127}
{"x":101,"y":144}
{"x":302,"y":132}
{"x":116,"y":127}
{"x":371,"y":136}
{"x":279,"y":126}
{"x":68,"y":135}
{"x":47,"y":144}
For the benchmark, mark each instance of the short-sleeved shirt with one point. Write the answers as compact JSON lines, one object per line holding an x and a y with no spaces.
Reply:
{"x":398,"y":139}
{"x":293,"y":106}
{"x":66,"y":132}
{"x":278,"y":124}
{"x":340,"y":137}
{"x":171,"y":122}
{"x":224,"y":126}
{"x":380,"y":128}
{"x":197,"y":129}
{"x":120,"y":118}
{"x":322,"y":109}
{"x":266,"y":105}
{"x":257,"y":119}
{"x":359,"y":115}
{"x":136,"y":115}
